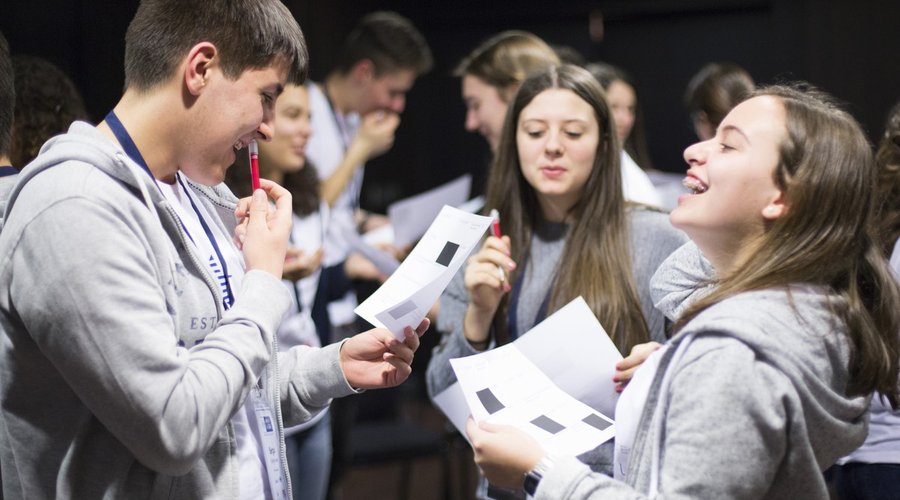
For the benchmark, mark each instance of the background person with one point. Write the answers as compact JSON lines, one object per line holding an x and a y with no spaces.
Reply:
{"x":567,"y":230}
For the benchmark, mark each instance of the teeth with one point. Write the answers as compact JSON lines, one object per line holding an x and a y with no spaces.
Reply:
{"x":694,"y":185}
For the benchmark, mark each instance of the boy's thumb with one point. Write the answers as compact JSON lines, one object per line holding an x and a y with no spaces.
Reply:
{"x":259,"y":205}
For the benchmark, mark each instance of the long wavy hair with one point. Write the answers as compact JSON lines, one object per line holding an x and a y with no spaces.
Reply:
{"x":827,"y":236}
{"x":887,"y":158}
{"x":596,"y":261}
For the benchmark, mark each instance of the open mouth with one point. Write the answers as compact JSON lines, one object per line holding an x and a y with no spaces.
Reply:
{"x":694,"y":184}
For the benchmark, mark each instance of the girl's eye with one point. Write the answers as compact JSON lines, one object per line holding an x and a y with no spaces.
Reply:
{"x":725,"y":147}
{"x":573,"y":134}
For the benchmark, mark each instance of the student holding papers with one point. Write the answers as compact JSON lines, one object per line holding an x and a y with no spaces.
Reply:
{"x":567,"y":229}
{"x":786,"y":323}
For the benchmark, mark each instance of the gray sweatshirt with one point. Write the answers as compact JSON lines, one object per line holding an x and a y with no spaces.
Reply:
{"x":652,"y":239}
{"x":119,"y":370}
{"x":756,"y":406}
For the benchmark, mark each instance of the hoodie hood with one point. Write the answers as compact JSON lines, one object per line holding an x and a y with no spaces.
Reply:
{"x":795,"y":331}
{"x":84,"y":143}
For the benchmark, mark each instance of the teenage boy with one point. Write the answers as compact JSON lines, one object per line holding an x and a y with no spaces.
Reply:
{"x":136,"y":359}
{"x":355,"y":112}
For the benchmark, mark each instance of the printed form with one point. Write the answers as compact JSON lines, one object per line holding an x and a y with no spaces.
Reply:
{"x":554,"y":382}
{"x":502,"y":386}
{"x":405,"y":298}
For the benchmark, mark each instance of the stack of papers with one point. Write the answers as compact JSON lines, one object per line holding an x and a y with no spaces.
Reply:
{"x":554,"y":383}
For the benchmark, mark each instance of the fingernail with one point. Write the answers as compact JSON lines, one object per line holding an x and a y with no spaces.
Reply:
{"x":616,"y":379}
{"x":511,"y":265}
{"x":259,"y":195}
{"x":506,"y":287}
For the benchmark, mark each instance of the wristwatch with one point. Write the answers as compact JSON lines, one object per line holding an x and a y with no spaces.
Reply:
{"x":534,"y":476}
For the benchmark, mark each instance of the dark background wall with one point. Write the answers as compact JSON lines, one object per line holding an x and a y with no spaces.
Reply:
{"x":846,"y":47}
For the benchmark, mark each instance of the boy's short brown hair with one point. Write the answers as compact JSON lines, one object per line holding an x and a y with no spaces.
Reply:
{"x":249,"y":34}
{"x":390,"y":41}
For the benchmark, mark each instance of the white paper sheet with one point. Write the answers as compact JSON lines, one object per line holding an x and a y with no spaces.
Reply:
{"x":405,"y":298}
{"x":472,"y":206}
{"x":411,"y":217}
{"x":502,"y":386}
{"x":572,"y":349}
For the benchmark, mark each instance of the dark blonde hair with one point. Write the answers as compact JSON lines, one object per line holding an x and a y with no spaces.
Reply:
{"x":598,"y":264}
{"x":505,"y":60}
{"x":248,"y":34}
{"x":827,"y":175}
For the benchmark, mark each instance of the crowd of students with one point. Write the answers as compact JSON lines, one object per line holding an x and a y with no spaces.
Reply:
{"x":167,"y":331}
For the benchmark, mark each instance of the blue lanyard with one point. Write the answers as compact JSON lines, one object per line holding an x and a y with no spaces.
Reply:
{"x":339,"y":123}
{"x":8,"y":170}
{"x":513,"y":306}
{"x":228,"y":296}
{"x":127,"y":142}
{"x":132,"y":151}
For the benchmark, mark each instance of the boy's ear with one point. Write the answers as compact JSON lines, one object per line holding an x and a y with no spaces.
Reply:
{"x":200,"y":59}
{"x":363,"y":70}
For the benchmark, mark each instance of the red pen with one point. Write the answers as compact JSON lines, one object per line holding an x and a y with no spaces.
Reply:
{"x":254,"y":164}
{"x":495,"y":223}
{"x":495,"y":232}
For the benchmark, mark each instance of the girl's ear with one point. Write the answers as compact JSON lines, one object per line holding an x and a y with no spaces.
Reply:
{"x":776,"y":207}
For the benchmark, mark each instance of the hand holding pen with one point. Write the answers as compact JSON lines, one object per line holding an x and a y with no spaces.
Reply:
{"x":487,"y":279}
{"x":495,"y":232}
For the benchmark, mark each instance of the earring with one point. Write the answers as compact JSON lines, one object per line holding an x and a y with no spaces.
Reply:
{"x":770,"y":210}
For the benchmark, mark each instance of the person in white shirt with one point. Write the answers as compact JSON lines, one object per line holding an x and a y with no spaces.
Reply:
{"x":355,"y":112}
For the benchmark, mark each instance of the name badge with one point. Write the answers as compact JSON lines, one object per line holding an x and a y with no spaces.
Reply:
{"x":267,"y":430}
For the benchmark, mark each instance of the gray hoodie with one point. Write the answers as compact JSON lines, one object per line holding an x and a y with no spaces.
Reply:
{"x":755,"y":407}
{"x":119,"y":370}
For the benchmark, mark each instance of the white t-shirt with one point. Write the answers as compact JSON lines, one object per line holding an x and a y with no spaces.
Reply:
{"x":629,"y":409}
{"x":298,"y":327}
{"x":326,"y":149}
{"x":252,"y":474}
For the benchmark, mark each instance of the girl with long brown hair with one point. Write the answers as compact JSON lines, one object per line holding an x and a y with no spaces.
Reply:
{"x":787,"y":321}
{"x":568,"y":231}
